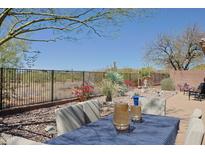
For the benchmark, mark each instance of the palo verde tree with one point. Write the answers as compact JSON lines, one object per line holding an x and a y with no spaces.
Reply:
{"x":16,"y":54}
{"x":177,"y":52}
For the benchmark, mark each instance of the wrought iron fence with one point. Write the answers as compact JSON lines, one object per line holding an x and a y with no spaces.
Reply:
{"x":20,"y":87}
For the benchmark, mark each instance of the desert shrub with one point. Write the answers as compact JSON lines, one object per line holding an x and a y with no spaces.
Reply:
{"x":83,"y":92}
{"x":122,"y":90}
{"x":167,"y":84}
{"x":129,"y":83}
{"x":109,"y":89}
{"x":118,"y":79}
{"x":115,"y":77}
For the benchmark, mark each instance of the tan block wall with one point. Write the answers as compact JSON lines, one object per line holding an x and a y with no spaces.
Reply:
{"x":193,"y":78}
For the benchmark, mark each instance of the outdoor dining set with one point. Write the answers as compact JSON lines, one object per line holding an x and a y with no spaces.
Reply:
{"x":198,"y":93}
{"x":142,"y":124}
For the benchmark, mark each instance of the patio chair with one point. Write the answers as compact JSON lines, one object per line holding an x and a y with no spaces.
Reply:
{"x":186,"y":88}
{"x":69,"y":118}
{"x":16,"y":140}
{"x":153,"y":105}
{"x":197,"y":113}
{"x":74,"y":116}
{"x":195,"y":132}
{"x":199,"y":93}
{"x":91,"y":109}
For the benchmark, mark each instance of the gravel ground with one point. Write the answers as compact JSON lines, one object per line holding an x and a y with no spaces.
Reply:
{"x":32,"y":124}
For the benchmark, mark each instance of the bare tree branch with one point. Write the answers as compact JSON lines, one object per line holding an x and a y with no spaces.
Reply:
{"x":47,"y":14}
{"x":23,"y":21}
{"x":21,"y":30}
{"x":3,"y":15}
{"x":20,"y":23}
{"x":35,"y":40}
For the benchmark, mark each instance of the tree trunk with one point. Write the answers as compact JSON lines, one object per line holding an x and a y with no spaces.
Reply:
{"x":172,"y":64}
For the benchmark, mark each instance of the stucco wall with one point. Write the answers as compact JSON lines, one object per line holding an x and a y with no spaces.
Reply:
{"x":193,"y":78}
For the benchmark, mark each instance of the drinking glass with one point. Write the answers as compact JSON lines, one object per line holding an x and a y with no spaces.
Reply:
{"x":121,"y":119}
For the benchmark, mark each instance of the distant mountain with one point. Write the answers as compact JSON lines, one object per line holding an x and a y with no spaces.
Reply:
{"x":199,"y":67}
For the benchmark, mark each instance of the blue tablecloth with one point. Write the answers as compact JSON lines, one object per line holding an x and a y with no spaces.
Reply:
{"x":154,"y":130}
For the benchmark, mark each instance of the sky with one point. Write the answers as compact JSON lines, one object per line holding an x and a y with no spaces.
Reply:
{"x":127,"y":49}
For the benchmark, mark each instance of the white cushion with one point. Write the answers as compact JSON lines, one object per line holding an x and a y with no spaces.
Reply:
{"x":74,"y":116}
{"x":197,"y":113}
{"x":69,"y":118}
{"x":92,"y":110}
{"x":95,"y":106}
{"x":153,"y":105}
{"x":78,"y":112}
{"x":195,"y":132}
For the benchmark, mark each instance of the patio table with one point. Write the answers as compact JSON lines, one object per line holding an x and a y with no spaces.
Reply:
{"x":153,"y":130}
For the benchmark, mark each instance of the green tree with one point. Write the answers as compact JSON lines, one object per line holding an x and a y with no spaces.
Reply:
{"x":17,"y":54}
{"x":11,"y":54}
{"x":177,"y":52}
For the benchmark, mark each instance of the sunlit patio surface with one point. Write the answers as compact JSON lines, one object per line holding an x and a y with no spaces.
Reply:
{"x":180,"y":106}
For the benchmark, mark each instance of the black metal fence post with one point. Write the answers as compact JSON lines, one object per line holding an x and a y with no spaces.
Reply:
{"x":103,"y":75}
{"x":83,"y":78}
{"x":72,"y":75}
{"x":52,"y":85}
{"x":130,"y":76}
{"x":1,"y":89}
